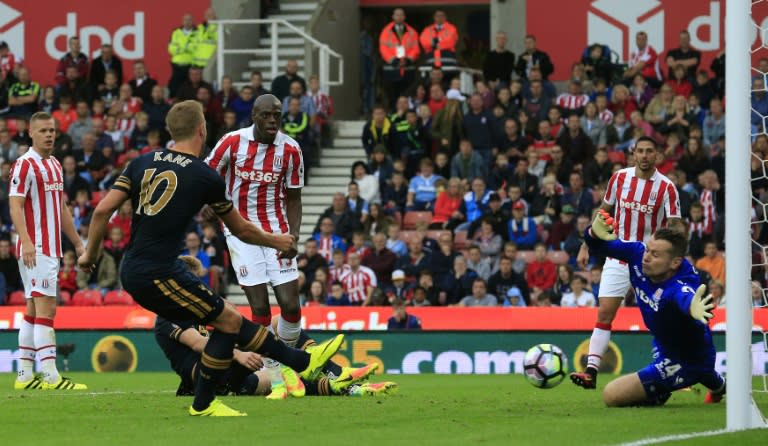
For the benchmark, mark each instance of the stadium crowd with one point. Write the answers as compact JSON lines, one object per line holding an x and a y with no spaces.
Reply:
{"x":468,"y":198}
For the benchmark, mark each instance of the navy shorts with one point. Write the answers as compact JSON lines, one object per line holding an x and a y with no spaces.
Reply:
{"x":179,"y":296}
{"x":663,"y":376}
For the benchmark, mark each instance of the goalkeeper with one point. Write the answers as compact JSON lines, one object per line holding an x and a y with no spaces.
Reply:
{"x":675,"y":311}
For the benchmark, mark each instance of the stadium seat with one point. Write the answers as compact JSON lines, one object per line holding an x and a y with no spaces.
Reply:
{"x":558,"y":257}
{"x":17,"y":298}
{"x":87,"y":298}
{"x":65,"y":297}
{"x":460,"y":240}
{"x":413,"y":217}
{"x":118,"y":297}
{"x":527,"y":256}
{"x":398,"y":216}
{"x":96,"y":197}
{"x":616,"y":156}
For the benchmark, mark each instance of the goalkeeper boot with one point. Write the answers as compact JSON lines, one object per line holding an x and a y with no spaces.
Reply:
{"x":293,"y":384}
{"x":350,"y":376}
{"x":63,"y":384}
{"x":374,"y":389}
{"x":586,"y":379}
{"x":319,"y":354}
{"x":33,"y":384}
{"x":216,"y":409}
{"x":714,"y":396}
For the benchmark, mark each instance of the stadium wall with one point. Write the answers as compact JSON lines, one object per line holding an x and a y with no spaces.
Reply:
{"x":398,"y":353}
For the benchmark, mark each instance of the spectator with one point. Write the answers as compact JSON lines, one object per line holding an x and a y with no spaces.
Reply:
{"x":327,"y":241}
{"x":694,"y":160}
{"x":467,"y":164}
{"x":22,"y":137}
{"x":513,"y":144}
{"x":473,"y":205}
{"x":140,"y":134}
{"x":460,"y":281}
{"x":644,"y":60}
{"x":257,"y":86}
{"x":714,"y":123}
{"x":488,"y":241}
{"x":703,"y":88}
{"x":116,"y":244}
{"x":679,"y":121}
{"x":593,"y":126}
{"x":574,"y":100}
{"x":575,"y":239}
{"x":311,"y":260}
{"x":437,"y":100}
{"x":8,"y":62}
{"x":537,"y":104}
{"x":65,"y":115}
{"x":486,"y":94}
{"x":422,"y":190}
{"x":194,"y":249}
{"x":400,"y":319}
{"x":522,"y":229}
{"x":229,"y":124}
{"x":108,"y":92}
{"x":124,"y":108}
{"x":621,"y":100}
{"x":68,"y":273}
{"x":397,"y":288}
{"x":618,"y":135}
{"x":439,"y":41}
{"x":9,"y":149}
{"x":500,"y":174}
{"x":505,"y":279}
{"x":181,"y":49}
{"x":479,"y":296}
{"x":377,"y":132}
{"x":399,"y":49}
{"x":323,"y":106}
{"x":205,"y":40}
{"x":107,"y":61}
{"x":380,"y":167}
{"x":394,"y":243}
{"x":597,"y":170}
{"x":758,"y":295}
{"x":344,"y":220}
{"x":243,"y":106}
{"x":499,"y":63}
{"x":157,"y":108}
{"x":447,"y":204}
{"x":477,"y":263}
{"x":306,"y":104}
{"x":337,"y":298}
{"x":597,"y":62}
{"x":494,"y":213}
{"x":48,"y":101}
{"x":282,"y":83}
{"x":533,"y":58}
{"x":578,"y":196}
{"x":699,"y":230}
{"x":23,"y":95}
{"x":679,"y":82}
{"x":377,"y":220}
{"x":141,"y":84}
{"x":640,"y":91}
{"x":73,"y":58}
{"x":9,"y":267}
{"x":188,"y":89}
{"x":359,"y":281}
{"x":103,"y":277}
{"x":426,"y":294}
{"x":117,"y":136}
{"x":713,"y":262}
{"x":603,"y":111}
{"x":381,"y":260}
{"x":415,"y":260}
{"x":356,"y":204}
{"x":578,"y":297}
{"x":447,"y":126}
{"x":563,"y":283}
{"x":479,"y":126}
{"x":395,"y":195}
{"x":685,"y":56}
{"x":528,"y":183}
{"x":298,"y":125}
{"x":413,"y":143}
{"x":561,"y":228}
{"x":368,"y":184}
{"x":316,"y":295}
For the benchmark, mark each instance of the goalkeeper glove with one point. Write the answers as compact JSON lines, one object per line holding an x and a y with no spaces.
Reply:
{"x":701,"y":305}
{"x":602,"y":226}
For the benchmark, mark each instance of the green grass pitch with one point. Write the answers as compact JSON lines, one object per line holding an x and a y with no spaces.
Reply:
{"x":141,"y":409}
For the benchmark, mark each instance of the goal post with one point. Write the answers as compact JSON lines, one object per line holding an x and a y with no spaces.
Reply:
{"x":741,"y":411}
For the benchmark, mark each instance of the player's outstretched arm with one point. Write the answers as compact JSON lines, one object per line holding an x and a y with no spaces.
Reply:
{"x":701,"y":305}
{"x":104,"y":210}
{"x":250,"y":233}
{"x":600,"y":238}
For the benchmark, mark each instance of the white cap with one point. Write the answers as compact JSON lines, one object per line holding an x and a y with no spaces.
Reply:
{"x":455,"y":94}
{"x":398,"y":274}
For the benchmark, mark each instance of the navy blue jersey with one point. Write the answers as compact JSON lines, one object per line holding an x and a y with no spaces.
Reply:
{"x":167,"y":189}
{"x":664,"y":306}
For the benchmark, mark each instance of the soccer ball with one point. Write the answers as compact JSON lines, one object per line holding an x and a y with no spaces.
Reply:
{"x":545,"y":366}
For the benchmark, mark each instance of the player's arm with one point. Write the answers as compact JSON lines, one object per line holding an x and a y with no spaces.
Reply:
{"x":293,"y":209}
{"x":600,"y":238}
{"x":250,"y":233}
{"x":197,"y":342}
{"x":68,"y":228}
{"x":694,"y":303}
{"x":104,"y":210}
{"x":582,"y":258}
{"x":16,"y":204}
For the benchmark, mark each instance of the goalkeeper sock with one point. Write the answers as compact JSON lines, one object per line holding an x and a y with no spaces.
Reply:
{"x":45,"y":343}
{"x":213,"y":366}
{"x":253,"y":338}
{"x":330,"y":367}
{"x":598,"y":343}
{"x":26,"y":350}
{"x":289,"y":328}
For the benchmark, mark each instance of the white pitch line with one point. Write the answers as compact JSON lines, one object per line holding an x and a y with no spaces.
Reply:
{"x":659,"y":440}
{"x":116,"y":392}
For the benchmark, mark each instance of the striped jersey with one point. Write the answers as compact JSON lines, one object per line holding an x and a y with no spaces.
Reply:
{"x":642,"y":206}
{"x":707,"y":200}
{"x":41,"y":182}
{"x":568,"y":101}
{"x":257,"y":175}
{"x":356,"y":283}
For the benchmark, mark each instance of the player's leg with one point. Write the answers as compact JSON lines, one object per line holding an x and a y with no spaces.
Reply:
{"x":627,"y":390}
{"x":25,"y":376}
{"x":250,"y":266}
{"x":614,"y":285}
{"x":334,"y":371}
{"x":284,"y":276}
{"x":715,"y":383}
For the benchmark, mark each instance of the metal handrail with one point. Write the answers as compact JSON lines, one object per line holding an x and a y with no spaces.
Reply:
{"x":325,"y":52}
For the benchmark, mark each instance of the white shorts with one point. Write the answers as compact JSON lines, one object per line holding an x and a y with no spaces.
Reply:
{"x":614,"y":282}
{"x":255,"y":264}
{"x":43,"y":279}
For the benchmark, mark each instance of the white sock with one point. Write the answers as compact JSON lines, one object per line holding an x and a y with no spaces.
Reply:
{"x":45,"y":343}
{"x":288,"y":332}
{"x":26,"y":350}
{"x":598,"y":343}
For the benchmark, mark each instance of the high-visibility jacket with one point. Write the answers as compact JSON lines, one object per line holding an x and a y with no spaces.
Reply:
{"x":295,"y":127}
{"x":447,"y":37}
{"x":181,"y":47}
{"x":206,"y":37}
{"x":389,"y":40}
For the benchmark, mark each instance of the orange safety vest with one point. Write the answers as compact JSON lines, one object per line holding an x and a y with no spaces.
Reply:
{"x":389,"y":41}
{"x":447,"y":37}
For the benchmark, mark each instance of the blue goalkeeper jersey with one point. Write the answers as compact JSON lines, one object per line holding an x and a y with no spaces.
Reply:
{"x":664,"y":306}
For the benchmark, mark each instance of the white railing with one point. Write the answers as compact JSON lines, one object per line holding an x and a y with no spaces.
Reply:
{"x":325,"y":53}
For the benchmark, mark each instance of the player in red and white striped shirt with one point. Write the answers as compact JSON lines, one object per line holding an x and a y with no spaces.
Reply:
{"x":40,"y":214}
{"x":359,"y":281}
{"x":264,"y":172}
{"x":644,"y":201}
{"x":574,"y":99}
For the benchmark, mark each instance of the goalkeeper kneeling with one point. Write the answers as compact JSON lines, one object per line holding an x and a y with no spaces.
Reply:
{"x":674,"y":309}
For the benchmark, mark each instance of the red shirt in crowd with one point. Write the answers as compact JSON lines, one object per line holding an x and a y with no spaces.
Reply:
{"x":541,"y":275}
{"x":445,"y":206}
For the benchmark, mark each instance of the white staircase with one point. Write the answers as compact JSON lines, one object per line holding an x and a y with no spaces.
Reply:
{"x":291,"y":46}
{"x":333,"y":175}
